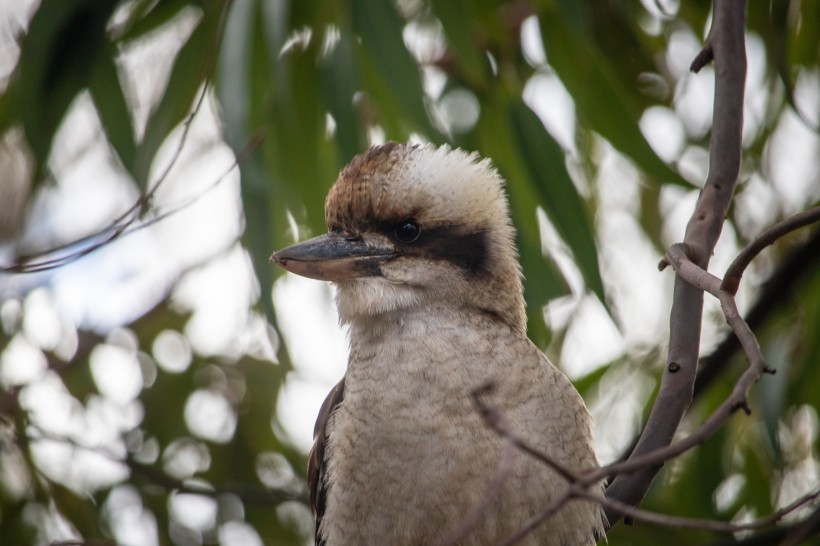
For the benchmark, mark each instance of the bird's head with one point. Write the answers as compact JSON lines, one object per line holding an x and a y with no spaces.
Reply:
{"x":412,"y":226}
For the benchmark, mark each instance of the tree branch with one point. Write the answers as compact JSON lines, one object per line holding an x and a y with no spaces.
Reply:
{"x":731,"y":280}
{"x":727,"y":47}
{"x":578,"y":484}
{"x":66,"y":253}
{"x":785,"y":535}
{"x":775,"y":293}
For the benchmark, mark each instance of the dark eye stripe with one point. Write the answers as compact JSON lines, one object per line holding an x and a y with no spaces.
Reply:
{"x":468,"y":251}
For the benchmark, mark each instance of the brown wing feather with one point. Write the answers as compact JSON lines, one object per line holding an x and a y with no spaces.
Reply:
{"x":317,"y":462}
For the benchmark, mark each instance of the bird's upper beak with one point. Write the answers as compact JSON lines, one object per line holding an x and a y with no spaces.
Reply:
{"x":334,"y":257}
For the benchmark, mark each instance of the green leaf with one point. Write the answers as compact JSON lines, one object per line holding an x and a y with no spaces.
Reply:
{"x":455,"y":17}
{"x":82,"y":514}
{"x":112,"y":107}
{"x":243,"y":84}
{"x":545,"y":164}
{"x":604,"y":103}
{"x":542,"y":281}
{"x":805,"y":47}
{"x":57,"y":58}
{"x":588,"y":382}
{"x":249,"y":89}
{"x":192,"y":66}
{"x":391,"y":70}
{"x":8,"y":107}
{"x":150,"y":15}
{"x":341,"y":82}
{"x":16,"y":526}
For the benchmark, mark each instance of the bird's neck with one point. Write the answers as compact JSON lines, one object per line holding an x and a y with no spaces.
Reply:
{"x":424,"y":320}
{"x":419,"y":336}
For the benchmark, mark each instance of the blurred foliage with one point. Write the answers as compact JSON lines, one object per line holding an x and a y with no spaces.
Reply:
{"x":302,"y":87}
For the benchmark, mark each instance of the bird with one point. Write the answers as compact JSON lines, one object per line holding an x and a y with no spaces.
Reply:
{"x":421,"y":249}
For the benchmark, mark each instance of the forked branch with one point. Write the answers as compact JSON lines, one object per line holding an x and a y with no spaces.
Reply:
{"x":581,"y":486}
{"x":725,"y":45}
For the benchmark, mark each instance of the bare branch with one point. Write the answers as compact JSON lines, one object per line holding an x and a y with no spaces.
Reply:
{"x":117,"y":231}
{"x":90,"y":243}
{"x":473,"y":518}
{"x":731,"y":280}
{"x":68,"y":252}
{"x":578,"y":486}
{"x":497,"y":421}
{"x":782,"y":535}
{"x":776,"y":292}
{"x":726,"y":43}
{"x":705,"y":524}
{"x":84,"y":542}
{"x":695,"y":276}
{"x":548,"y":511}
{"x":803,"y":531}
{"x":703,"y":58}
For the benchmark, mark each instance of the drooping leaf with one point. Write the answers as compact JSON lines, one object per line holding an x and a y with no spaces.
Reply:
{"x":57,"y":60}
{"x":603,"y":103}
{"x":112,"y":107}
{"x":542,"y":281}
{"x":192,"y":66}
{"x":391,"y":71}
{"x":81,"y":512}
{"x":805,"y":45}
{"x":545,"y":164}
{"x":147,"y":16}
{"x":341,"y":82}
{"x":455,"y":16}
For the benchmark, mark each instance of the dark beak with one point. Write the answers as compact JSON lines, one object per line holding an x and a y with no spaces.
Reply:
{"x":333,"y":257}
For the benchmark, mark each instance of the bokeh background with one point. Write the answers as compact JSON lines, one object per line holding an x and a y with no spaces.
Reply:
{"x":159,"y":379}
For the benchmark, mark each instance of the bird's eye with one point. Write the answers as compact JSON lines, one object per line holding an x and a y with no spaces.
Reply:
{"x":407,"y":232}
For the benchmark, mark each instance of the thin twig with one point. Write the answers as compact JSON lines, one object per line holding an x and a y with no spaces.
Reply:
{"x":735,"y":272}
{"x":127,"y":228}
{"x":776,"y":292}
{"x":678,"y":257}
{"x":703,"y":280}
{"x":118,"y":226}
{"x":704,"y":524}
{"x":577,"y":489}
{"x":84,"y":542}
{"x":473,"y":518}
{"x":538,"y":519}
{"x":26,"y":263}
{"x":803,"y":530}
{"x":499,"y":423}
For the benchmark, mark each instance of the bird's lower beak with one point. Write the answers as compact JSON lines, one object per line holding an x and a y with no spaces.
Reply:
{"x":333,"y":257}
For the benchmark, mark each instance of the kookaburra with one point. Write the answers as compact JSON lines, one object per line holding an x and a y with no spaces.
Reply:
{"x":420,"y":247}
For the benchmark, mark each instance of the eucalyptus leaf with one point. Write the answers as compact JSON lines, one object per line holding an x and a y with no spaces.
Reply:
{"x":390,"y":66}
{"x":602,"y":102}
{"x":113,"y":109}
{"x":545,"y":163}
{"x":191,"y":69}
